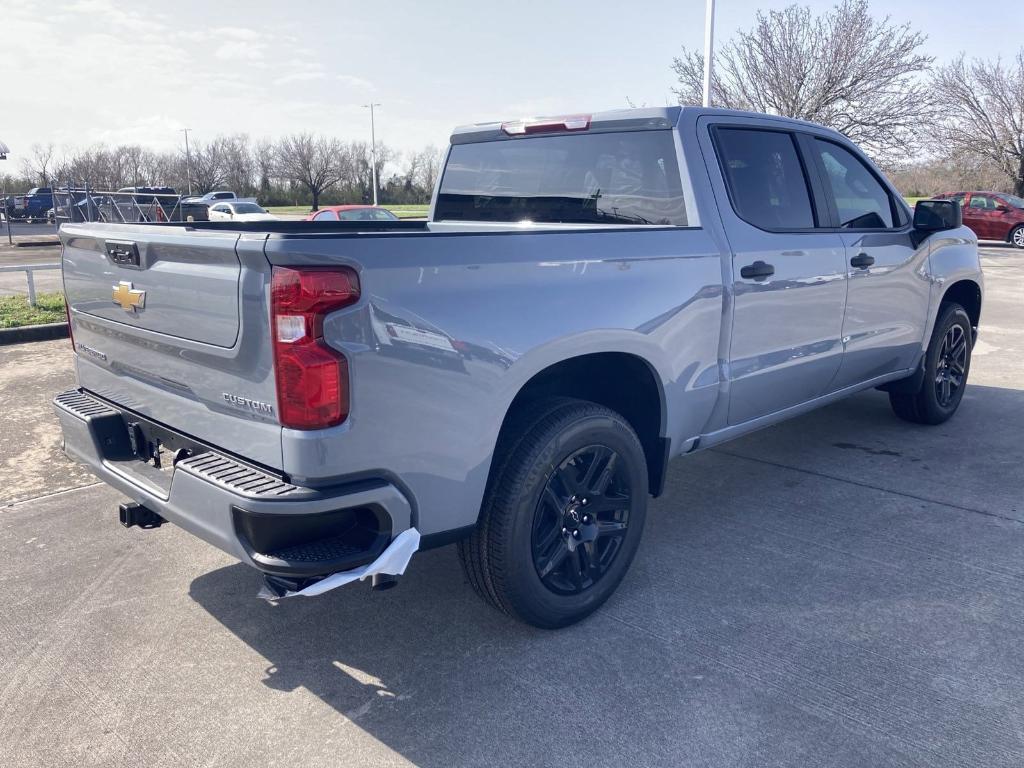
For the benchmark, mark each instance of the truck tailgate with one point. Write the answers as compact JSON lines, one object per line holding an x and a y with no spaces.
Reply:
{"x":156,"y":320}
{"x":183,"y":284}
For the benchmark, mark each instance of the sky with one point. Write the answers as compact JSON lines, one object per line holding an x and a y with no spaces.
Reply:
{"x":78,"y":72}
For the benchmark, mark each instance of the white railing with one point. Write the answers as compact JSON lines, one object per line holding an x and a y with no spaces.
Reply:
{"x":28,"y":269}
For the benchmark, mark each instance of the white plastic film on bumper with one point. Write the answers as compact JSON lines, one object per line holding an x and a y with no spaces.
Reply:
{"x":392,"y":561}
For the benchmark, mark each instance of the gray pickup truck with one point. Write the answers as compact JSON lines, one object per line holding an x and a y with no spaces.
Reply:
{"x":591,"y":296}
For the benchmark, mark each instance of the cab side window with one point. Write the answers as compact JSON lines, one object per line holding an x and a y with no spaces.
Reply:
{"x":861,"y":200}
{"x":765,"y":178}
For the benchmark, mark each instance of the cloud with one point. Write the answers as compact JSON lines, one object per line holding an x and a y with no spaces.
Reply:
{"x":300,"y":77}
{"x":118,"y":18}
{"x":355,"y":82}
{"x":238,"y":33}
{"x":238,"y":50}
{"x":188,"y":66}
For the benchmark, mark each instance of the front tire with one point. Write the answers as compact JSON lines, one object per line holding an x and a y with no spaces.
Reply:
{"x":563,"y":514}
{"x":1017,"y":236}
{"x":947,"y":364}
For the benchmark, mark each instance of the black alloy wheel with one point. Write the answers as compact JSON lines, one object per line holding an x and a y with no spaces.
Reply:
{"x":581,"y":520}
{"x":952,"y":365}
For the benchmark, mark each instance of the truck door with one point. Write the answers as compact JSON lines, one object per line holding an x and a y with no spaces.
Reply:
{"x":788,"y":276}
{"x":888,"y":290}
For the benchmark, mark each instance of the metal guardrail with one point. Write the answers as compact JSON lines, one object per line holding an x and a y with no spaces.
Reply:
{"x":28,"y":269}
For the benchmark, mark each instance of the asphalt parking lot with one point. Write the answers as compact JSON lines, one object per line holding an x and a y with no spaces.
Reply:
{"x":22,"y":228}
{"x":15,"y":283}
{"x":842,"y":590}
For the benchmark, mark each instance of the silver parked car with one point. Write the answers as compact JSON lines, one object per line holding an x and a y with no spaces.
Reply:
{"x":591,"y":296}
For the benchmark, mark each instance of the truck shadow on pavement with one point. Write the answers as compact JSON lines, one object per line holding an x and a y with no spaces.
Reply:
{"x":843,"y":589}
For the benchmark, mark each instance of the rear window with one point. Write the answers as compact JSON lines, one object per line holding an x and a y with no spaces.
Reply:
{"x":595,"y":178}
{"x":248,"y":208}
{"x":765,"y":178}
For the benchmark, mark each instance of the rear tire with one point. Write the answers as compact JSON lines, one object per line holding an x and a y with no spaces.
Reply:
{"x":563,"y":514}
{"x":947,"y":364}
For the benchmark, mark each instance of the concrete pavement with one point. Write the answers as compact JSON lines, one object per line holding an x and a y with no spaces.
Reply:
{"x":843,"y":590}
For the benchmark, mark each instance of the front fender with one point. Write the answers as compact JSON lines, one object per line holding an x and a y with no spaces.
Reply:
{"x":952,"y":258}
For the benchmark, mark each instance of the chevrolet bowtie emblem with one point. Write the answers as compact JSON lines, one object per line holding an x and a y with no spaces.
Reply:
{"x":129,"y":298}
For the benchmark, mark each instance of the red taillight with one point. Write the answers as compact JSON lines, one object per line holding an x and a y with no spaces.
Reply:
{"x":312,"y":378}
{"x":547,"y":125}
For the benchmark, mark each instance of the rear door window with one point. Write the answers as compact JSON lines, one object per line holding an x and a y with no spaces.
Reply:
{"x":629,"y":177}
{"x":765,"y":178}
{"x":355,"y":214}
{"x":861,"y":200}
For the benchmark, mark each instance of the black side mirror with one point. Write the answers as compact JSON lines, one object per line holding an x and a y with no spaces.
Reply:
{"x":937,"y":215}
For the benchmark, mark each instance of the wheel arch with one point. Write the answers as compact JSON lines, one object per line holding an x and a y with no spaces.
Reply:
{"x":625,"y":382}
{"x":966,"y":293}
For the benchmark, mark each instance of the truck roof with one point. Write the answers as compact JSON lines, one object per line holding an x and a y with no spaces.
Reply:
{"x":634,"y":119}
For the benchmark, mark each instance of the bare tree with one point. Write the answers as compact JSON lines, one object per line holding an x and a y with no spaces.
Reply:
{"x":132,"y":160}
{"x":238,"y":163}
{"x":425,"y":166}
{"x":982,"y":113}
{"x":263,"y":161}
{"x":316,"y":162}
{"x":844,"y":69}
{"x":362,"y":165}
{"x":287,"y":170}
{"x":39,"y":163}
{"x":209,"y":165}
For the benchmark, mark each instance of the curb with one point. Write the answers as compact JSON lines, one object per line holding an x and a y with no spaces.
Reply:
{"x":25,"y":333}
{"x":35,"y":243}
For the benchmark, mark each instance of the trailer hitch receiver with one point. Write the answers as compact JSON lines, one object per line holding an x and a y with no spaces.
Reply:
{"x":136,"y":514}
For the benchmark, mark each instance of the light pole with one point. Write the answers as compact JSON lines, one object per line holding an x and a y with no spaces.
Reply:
{"x":373,"y":150}
{"x":188,"y":158}
{"x":7,"y":213}
{"x":709,"y":49}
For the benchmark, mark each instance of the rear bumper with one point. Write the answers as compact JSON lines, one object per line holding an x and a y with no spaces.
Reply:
{"x":262,"y":519}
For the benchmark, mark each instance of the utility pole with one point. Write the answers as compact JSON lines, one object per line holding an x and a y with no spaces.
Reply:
{"x":7,"y":211}
{"x":188,"y":157}
{"x":709,"y":49}
{"x":373,"y":150}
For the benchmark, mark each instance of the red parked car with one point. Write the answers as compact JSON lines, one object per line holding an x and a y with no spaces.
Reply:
{"x":992,"y":215}
{"x":352,"y":213}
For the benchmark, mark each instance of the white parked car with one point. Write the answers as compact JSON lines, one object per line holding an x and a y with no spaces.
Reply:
{"x":239,"y":211}
{"x":215,"y":197}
